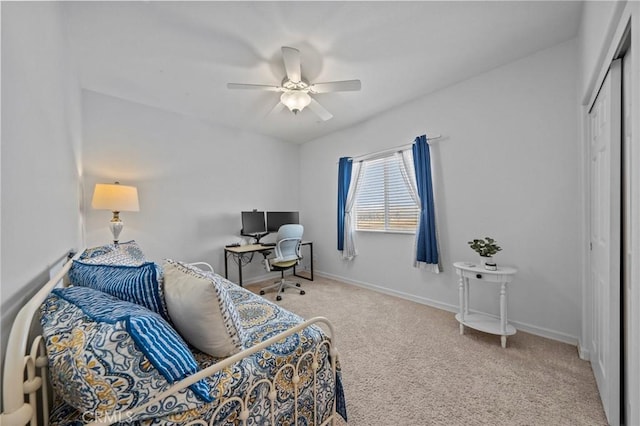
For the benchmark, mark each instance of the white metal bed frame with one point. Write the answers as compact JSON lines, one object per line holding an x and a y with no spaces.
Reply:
{"x":26,"y":375}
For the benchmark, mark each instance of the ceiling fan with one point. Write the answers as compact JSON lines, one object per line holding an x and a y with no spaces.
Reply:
{"x":296,"y":90}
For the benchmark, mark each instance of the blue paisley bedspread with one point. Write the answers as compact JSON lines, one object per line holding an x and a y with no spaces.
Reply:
{"x":261,"y":320}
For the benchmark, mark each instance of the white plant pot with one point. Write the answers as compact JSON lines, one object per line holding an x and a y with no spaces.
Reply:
{"x":484,"y":260}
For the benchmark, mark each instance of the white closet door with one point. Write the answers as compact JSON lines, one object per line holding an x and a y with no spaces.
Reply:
{"x":605,"y":147}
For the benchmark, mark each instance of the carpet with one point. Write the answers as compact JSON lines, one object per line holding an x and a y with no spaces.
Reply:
{"x":404,"y":363}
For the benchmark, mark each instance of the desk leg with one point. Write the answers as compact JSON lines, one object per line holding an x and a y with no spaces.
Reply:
{"x":240,"y":269}
{"x":238,"y":256}
{"x":311,"y":265}
{"x":461,"y":302}
{"x":503,"y":313}
{"x":311,"y":260}
{"x":226,"y":271}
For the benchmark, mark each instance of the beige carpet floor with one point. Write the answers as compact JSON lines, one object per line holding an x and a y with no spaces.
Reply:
{"x":406,"y":364}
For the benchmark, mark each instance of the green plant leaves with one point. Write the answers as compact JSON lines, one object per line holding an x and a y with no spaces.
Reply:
{"x":485,"y":247}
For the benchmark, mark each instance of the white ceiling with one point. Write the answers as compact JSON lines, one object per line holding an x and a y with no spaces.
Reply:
{"x":178,"y":56}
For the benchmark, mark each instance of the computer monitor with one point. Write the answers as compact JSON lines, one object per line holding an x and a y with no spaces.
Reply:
{"x":253,"y":224}
{"x":276,"y":219}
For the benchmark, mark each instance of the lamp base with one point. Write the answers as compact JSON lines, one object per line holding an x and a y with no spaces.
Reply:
{"x":116,"y":227}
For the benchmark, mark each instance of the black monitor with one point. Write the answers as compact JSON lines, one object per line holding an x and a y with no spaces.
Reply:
{"x":253,"y":224}
{"x":276,"y":219}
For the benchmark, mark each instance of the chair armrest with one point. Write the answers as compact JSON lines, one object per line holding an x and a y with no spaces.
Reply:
{"x":267,"y":264}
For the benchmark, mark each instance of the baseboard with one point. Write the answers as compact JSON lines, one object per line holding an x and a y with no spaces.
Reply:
{"x":545,"y":332}
{"x":529,"y":328}
{"x":402,"y":295}
{"x":264,"y":277}
{"x":583,"y":351}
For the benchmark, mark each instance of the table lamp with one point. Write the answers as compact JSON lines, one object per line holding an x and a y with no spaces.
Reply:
{"x":116,"y":198}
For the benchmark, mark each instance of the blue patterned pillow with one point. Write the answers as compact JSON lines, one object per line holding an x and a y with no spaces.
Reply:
{"x":106,"y":354}
{"x":128,"y":254}
{"x":136,"y":284}
{"x":96,"y":251}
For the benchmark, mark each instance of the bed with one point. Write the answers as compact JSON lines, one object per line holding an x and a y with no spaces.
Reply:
{"x":287,"y":372}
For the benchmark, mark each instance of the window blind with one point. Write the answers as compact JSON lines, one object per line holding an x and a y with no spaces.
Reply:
{"x":383,"y":201}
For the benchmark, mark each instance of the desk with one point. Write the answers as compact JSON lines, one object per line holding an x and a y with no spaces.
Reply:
{"x":239,"y":251}
{"x":482,"y":322}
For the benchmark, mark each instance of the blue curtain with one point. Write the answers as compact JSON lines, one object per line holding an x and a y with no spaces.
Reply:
{"x":344,"y":179}
{"x":426,"y":244}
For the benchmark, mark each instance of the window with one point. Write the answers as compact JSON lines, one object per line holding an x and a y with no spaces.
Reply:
{"x":384,"y":199}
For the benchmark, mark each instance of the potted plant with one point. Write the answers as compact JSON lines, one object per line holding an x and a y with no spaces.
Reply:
{"x":486,"y":248}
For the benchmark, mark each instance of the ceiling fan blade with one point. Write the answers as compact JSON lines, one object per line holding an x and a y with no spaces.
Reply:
{"x":320,"y":110}
{"x":254,"y":87}
{"x":336,"y":86}
{"x":291,"y":58}
{"x":276,"y":109}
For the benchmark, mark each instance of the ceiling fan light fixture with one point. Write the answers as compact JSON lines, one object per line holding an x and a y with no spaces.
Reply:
{"x":295,"y":100}
{"x":295,"y":90}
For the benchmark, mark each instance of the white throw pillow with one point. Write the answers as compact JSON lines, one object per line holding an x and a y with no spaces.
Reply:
{"x":201,"y":310}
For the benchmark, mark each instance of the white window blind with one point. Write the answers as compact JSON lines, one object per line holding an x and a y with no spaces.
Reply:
{"x":383,"y":200}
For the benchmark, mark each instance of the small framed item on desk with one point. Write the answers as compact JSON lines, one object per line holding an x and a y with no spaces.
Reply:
{"x":489,"y":324}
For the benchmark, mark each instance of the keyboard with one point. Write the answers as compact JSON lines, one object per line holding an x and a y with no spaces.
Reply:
{"x":268,"y":244}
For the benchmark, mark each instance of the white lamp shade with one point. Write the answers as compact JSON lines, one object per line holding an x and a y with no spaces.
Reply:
{"x":115,"y":197}
{"x":295,"y":100}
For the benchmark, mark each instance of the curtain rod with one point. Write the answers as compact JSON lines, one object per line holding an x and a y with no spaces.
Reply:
{"x":393,"y":149}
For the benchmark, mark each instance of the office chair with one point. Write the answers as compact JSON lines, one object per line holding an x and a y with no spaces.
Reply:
{"x":287,"y":255}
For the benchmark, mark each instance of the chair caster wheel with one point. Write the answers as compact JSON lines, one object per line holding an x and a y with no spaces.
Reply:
{"x":261,"y":292}
{"x":297,"y":284}
{"x":282,"y":290}
{"x":301,"y":291}
{"x":278,"y":298}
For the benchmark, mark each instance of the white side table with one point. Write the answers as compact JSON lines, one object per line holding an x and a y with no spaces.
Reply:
{"x":482,"y":322}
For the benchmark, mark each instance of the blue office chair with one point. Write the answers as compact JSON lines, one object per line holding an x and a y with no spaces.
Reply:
{"x":287,"y":255}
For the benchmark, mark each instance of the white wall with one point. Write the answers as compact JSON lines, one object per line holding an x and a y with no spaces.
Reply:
{"x":193,"y":178}
{"x":40,"y":151}
{"x":509,"y":167}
